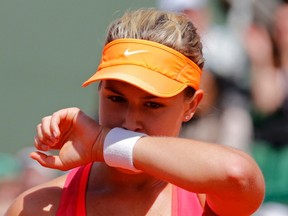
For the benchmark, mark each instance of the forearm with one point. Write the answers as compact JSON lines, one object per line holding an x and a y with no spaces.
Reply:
{"x":228,"y":177}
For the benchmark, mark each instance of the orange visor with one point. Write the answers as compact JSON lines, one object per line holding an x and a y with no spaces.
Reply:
{"x":150,"y":66}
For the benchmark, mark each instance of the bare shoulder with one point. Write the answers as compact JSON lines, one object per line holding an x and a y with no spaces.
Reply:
{"x":40,"y":200}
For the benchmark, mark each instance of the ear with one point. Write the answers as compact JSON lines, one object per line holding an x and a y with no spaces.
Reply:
{"x":192,"y":105}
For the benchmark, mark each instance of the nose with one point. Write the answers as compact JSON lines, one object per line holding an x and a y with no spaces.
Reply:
{"x":131,"y":120}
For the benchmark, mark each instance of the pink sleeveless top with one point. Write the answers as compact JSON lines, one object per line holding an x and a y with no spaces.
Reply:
{"x":72,"y":203}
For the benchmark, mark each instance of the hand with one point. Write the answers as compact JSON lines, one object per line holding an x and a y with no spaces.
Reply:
{"x":78,"y":138}
{"x":259,"y":45}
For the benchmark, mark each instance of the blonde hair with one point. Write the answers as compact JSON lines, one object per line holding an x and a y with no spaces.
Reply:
{"x":168,"y":28}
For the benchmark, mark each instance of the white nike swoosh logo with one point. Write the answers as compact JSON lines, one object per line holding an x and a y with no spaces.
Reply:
{"x":128,"y":53}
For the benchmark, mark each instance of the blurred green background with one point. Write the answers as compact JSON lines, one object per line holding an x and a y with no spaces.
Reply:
{"x":47,"y":49}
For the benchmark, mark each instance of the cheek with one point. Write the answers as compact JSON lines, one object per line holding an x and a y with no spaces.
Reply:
{"x":107,"y":116}
{"x":164,"y":124}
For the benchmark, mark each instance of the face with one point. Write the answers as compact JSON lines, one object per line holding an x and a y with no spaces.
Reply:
{"x":126,"y":106}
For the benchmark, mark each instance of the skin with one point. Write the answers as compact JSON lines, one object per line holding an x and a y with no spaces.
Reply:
{"x":228,"y":178}
{"x":267,"y":86}
{"x":267,"y":91}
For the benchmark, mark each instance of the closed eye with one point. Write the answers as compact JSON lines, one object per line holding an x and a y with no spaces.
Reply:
{"x":153,"y":105}
{"x":117,"y":99}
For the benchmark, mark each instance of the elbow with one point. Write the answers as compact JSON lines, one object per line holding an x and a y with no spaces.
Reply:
{"x":246,"y":178}
{"x":241,"y":189}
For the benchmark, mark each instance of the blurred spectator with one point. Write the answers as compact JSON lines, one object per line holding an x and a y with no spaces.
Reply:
{"x":197,"y":10}
{"x":19,"y":173}
{"x":224,"y":110}
{"x":268,"y":52}
{"x":272,"y":209}
{"x":267,"y":48}
{"x":9,"y":189}
{"x":8,"y":165}
{"x":32,"y":173}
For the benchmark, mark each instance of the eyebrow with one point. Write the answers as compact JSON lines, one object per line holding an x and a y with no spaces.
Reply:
{"x":119,"y":93}
{"x":113,"y":90}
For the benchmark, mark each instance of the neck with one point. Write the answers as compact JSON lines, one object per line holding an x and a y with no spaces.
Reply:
{"x":104,"y":176}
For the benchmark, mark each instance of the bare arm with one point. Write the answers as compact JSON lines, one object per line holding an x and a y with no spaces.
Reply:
{"x":230,"y":178}
{"x":266,"y":86}
{"x":39,"y":200}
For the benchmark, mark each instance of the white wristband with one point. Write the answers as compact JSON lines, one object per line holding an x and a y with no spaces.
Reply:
{"x":118,"y":148}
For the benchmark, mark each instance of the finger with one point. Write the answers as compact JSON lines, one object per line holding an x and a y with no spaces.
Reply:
{"x":42,"y":138}
{"x":39,"y":133}
{"x":64,"y":114}
{"x":58,"y":117}
{"x":49,"y":161}
{"x":39,"y":145}
{"x":55,"y":122}
{"x":46,"y":129}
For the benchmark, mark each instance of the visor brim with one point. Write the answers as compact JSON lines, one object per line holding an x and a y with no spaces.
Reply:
{"x":150,"y":81}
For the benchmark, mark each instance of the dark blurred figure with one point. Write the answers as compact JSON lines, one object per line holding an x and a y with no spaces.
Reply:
{"x":224,"y":115}
{"x":267,"y":48}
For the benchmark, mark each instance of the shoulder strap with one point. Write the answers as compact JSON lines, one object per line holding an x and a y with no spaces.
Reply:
{"x":185,"y":203}
{"x":81,"y":202}
{"x":72,"y":201}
